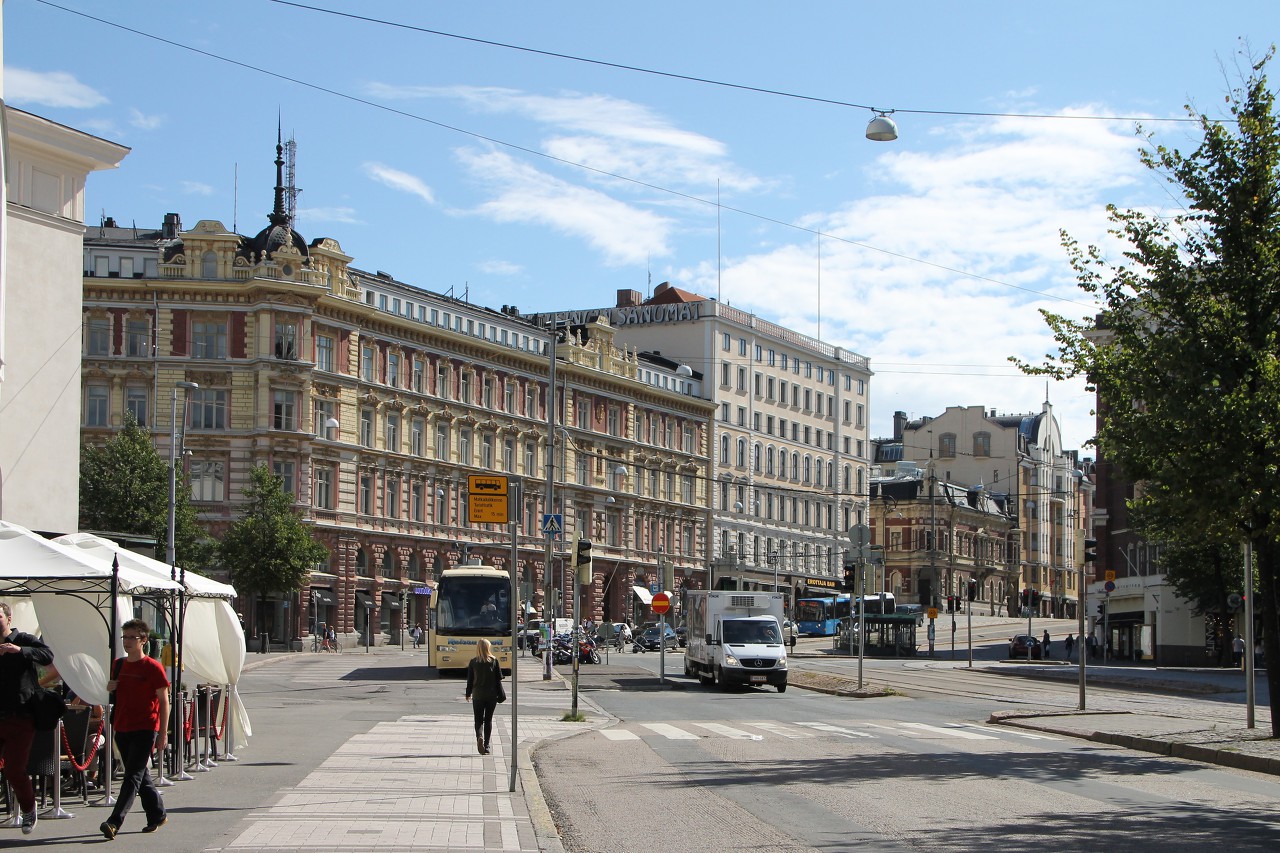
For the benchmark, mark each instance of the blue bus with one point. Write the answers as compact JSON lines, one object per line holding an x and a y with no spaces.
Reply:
{"x":820,"y":617}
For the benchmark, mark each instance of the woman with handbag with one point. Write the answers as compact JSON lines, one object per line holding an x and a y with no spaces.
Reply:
{"x":484,"y":691}
{"x":19,"y":654}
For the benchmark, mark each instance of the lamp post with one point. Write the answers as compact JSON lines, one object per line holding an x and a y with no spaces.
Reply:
{"x":175,"y":649}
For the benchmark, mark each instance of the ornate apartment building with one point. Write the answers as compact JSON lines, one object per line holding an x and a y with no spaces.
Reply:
{"x":789,"y":449}
{"x":374,"y":400}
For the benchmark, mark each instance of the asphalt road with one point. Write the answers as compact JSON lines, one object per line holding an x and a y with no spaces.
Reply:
{"x":688,"y":768}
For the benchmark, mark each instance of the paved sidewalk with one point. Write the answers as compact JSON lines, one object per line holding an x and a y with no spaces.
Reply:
{"x":424,"y":785}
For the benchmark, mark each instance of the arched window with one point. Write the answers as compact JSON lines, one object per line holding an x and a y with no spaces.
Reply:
{"x":362,"y":563}
{"x":831,"y":474}
{"x":859,"y":490}
{"x":817,"y":474}
{"x":755,"y":457}
{"x":209,"y":265}
{"x":742,"y":453}
{"x":724,"y":449}
{"x":782,"y":464}
{"x":982,"y":444}
{"x":808,"y":468}
{"x":947,"y":445}
{"x":769,"y":461}
{"x":848,"y":477}
{"x":795,"y":466}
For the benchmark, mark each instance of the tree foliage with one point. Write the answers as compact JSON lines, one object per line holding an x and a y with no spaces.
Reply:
{"x":269,"y":548}
{"x":124,"y":488}
{"x":1185,"y":354}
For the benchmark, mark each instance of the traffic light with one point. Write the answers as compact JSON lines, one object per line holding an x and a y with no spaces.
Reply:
{"x":1035,"y":598}
{"x":951,"y":604}
{"x":582,"y":561}
{"x":850,"y":583}
{"x":1026,"y":598}
{"x":1090,"y":550}
{"x":1102,"y":609}
{"x":972,"y":590}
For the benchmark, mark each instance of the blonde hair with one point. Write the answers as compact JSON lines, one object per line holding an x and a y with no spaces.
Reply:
{"x":484,"y":649}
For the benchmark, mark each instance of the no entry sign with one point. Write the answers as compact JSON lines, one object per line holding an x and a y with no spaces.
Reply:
{"x":661,"y":602}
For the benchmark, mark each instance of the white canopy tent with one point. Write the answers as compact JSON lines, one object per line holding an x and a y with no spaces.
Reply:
{"x":213,"y":647}
{"x":65,"y":595}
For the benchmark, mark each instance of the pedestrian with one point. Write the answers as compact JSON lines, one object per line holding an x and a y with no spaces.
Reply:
{"x":1045,"y":645}
{"x":1091,"y":647}
{"x":332,"y":639}
{"x":141,"y":716}
{"x":1237,"y":651}
{"x":19,"y":655}
{"x":484,"y":691}
{"x":417,"y":635}
{"x":1068,"y":644}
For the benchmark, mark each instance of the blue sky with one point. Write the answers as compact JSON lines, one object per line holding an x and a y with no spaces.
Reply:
{"x":562,"y":182}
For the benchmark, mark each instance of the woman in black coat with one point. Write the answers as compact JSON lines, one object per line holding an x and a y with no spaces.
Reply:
{"x":484,"y":691}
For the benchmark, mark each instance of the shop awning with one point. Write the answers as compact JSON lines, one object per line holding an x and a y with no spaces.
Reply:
{"x":324,"y":597}
{"x":643,"y":594}
{"x":390,"y":602}
{"x":363,"y":599}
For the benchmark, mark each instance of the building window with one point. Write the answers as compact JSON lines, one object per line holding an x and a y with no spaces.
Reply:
{"x":530,"y":457}
{"x":324,"y":353}
{"x":209,"y":265}
{"x":207,"y":408}
{"x":393,"y":433}
{"x":392,"y":500}
{"x":947,"y":445}
{"x":464,"y":386}
{"x":509,"y":455}
{"x":138,"y":339}
{"x":324,"y":410}
{"x":284,"y":415}
{"x":741,"y":460}
{"x":418,"y":376}
{"x":208,"y":340}
{"x":287,"y":341}
{"x":982,"y":444}
{"x":486,"y":393}
{"x":442,"y":441}
{"x":366,"y":427}
{"x":97,"y":404}
{"x":97,"y":336}
{"x":366,"y":494}
{"x":393,"y":370}
{"x":509,"y":395}
{"x":207,"y":480}
{"x":486,"y":451}
{"x":464,"y":447}
{"x":442,"y":380}
{"x":417,"y":431}
{"x":366,"y":362}
{"x":285,"y":471}
{"x":417,"y":504}
{"x":615,"y":421}
{"x":322,"y":489}
{"x":135,"y":404}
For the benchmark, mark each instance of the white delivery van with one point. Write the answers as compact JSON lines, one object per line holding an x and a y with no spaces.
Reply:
{"x":736,"y":638}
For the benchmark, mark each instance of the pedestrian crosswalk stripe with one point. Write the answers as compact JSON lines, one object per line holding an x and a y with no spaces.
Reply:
{"x":948,"y":732}
{"x":619,"y":734}
{"x":775,"y":729}
{"x":835,"y":730}
{"x":669,"y":732}
{"x":728,"y":731}
{"x":1013,"y":732}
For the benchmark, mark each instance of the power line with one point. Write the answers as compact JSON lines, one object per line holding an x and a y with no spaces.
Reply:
{"x":562,"y":161}
{"x":706,"y":80}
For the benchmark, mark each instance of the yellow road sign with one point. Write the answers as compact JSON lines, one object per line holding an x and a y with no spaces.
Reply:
{"x":487,"y":502}
{"x":933,"y":613}
{"x":1108,"y":576}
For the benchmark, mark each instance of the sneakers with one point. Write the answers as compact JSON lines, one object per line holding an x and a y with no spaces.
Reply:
{"x":486,"y":749}
{"x":108,"y":830}
{"x":152,"y":827}
{"x":28,"y":822}
{"x":480,"y":746}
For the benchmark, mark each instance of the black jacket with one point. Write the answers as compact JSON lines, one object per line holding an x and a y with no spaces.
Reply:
{"x":18,"y":679}
{"x":482,"y":679}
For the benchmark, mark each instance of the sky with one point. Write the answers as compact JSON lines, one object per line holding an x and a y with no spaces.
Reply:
{"x":486,"y":159}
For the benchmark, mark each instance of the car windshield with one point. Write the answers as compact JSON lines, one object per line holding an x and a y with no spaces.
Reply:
{"x":749,"y":631}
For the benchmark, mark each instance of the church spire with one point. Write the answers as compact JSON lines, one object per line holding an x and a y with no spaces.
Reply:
{"x":278,"y":216}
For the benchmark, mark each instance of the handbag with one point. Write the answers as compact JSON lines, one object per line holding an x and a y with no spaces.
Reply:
{"x":502,"y":691}
{"x":46,"y":707}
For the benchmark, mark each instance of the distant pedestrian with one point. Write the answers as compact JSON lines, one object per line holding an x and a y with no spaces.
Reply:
{"x":1068,"y":644}
{"x":417,"y":635}
{"x":19,"y":654}
{"x":484,"y":691}
{"x":1237,"y":651}
{"x":1044,"y":644}
{"x":1091,"y":646}
{"x":141,"y":710}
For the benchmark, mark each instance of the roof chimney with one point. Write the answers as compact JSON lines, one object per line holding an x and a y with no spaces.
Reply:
{"x":172,"y":225}
{"x":899,"y":425}
{"x":629,"y":298}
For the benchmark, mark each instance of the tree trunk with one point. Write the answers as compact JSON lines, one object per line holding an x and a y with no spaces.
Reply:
{"x":1267,"y":601}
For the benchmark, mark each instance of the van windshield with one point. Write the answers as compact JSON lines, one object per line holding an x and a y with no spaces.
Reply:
{"x":742,"y":631}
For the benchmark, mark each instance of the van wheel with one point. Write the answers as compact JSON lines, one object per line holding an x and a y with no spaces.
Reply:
{"x":782,"y":688}
{"x":688,"y":670}
{"x":720,"y":682}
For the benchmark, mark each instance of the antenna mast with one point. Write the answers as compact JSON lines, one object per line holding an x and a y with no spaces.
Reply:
{"x":290,"y":187}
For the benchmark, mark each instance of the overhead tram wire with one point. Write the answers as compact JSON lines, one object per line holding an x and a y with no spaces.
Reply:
{"x":704,"y":80}
{"x":551,"y":157}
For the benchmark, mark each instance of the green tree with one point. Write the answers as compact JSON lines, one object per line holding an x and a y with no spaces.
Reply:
{"x":124,"y":488}
{"x":1185,"y":356}
{"x":269,"y":548}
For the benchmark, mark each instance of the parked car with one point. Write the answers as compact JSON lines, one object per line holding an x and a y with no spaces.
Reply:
{"x":1018,"y":647}
{"x":649,"y":641}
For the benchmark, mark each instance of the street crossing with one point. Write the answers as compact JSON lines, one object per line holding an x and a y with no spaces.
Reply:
{"x":762,"y":730}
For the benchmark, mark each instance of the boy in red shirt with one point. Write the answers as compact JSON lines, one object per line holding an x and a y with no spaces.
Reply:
{"x":141,"y":726}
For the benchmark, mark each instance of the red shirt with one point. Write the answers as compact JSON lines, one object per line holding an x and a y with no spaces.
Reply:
{"x":137,"y":707}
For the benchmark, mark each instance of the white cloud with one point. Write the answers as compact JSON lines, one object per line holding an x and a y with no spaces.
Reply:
{"x":144,"y":122}
{"x":398,"y":180}
{"x":992,"y":204}
{"x":345,"y":215}
{"x":196,"y":188}
{"x":49,"y":89}
{"x":496,"y":267}
{"x":622,"y":233}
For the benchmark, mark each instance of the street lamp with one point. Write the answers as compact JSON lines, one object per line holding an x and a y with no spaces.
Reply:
{"x":772,"y":559}
{"x":171,"y":558}
{"x":173,"y":466}
{"x":329,"y":426}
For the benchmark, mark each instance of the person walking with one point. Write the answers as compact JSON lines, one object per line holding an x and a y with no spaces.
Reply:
{"x":1237,"y":651}
{"x":19,"y":655}
{"x":484,"y":691}
{"x":1069,"y":643}
{"x":141,"y":711}
{"x":1044,"y":645}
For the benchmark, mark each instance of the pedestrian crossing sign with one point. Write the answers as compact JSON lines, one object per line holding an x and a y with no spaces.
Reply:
{"x":552,"y":525}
